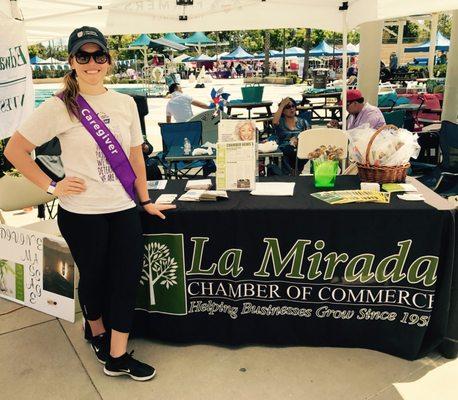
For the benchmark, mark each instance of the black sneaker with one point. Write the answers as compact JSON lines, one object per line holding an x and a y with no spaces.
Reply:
{"x":127,"y":365}
{"x":101,"y":346}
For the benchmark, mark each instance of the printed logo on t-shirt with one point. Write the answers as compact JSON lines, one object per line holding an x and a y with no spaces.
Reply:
{"x":105,"y":118}
{"x":106,"y":174}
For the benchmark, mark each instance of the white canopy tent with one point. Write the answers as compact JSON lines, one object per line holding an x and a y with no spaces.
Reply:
{"x":46,"y":19}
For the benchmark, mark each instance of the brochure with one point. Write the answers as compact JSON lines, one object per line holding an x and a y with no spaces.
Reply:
{"x":157,"y":185}
{"x":199,"y":184}
{"x":236,"y":155}
{"x":203,"y":195}
{"x":399,"y":187}
{"x":353,"y":196}
{"x":274,"y":189}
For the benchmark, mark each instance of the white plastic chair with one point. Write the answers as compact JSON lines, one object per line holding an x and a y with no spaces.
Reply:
{"x":17,"y":193}
{"x":311,"y":139}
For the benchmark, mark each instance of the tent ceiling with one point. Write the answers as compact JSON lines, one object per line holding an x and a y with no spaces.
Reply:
{"x":46,"y":19}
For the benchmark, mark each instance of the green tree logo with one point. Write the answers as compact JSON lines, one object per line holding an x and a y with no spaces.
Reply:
{"x":162,"y":283}
{"x":158,"y":265}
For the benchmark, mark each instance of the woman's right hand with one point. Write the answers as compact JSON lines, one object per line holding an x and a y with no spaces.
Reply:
{"x":69,"y":185}
{"x":284,"y":102}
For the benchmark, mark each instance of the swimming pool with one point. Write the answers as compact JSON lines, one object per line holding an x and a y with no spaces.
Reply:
{"x":41,"y":94}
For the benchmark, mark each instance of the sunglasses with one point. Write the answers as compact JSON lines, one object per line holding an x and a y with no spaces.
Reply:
{"x":100,"y":57}
{"x":288,"y":106}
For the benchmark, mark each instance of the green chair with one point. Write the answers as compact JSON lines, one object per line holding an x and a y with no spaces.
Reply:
{"x":395,"y":118}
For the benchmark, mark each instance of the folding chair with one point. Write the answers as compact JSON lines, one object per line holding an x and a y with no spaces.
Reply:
{"x":173,"y":135}
{"x":443,"y":178}
{"x":311,"y":139}
{"x":395,"y":118}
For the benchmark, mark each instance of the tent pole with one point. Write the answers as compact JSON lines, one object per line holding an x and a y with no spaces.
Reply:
{"x":432,"y":43}
{"x":369,"y":60}
{"x":450,"y":108}
{"x":399,"y":52}
{"x":344,"y":71}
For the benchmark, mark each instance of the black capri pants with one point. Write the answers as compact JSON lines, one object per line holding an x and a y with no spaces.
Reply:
{"x":108,"y":251}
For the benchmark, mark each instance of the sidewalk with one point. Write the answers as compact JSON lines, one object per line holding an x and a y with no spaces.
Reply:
{"x":47,"y":358}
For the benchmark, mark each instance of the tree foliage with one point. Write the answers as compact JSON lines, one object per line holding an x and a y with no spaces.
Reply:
{"x":253,"y":40}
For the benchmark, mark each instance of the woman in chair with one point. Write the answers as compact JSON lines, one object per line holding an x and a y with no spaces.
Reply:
{"x":287,"y":128}
{"x":99,"y":130}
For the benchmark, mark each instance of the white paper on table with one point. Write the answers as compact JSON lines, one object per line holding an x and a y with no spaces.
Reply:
{"x":157,"y":185}
{"x":274,"y":189}
{"x":407,"y":187}
{"x":198,"y":184}
{"x":411,"y":197}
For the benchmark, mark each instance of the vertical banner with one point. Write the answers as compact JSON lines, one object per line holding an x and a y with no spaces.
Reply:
{"x":37,"y":271}
{"x":16,"y":85}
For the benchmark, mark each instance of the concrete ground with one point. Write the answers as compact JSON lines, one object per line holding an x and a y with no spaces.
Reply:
{"x":46,"y":358}
{"x":43,"y":357}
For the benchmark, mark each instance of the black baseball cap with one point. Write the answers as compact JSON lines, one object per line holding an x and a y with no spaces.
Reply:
{"x":83,"y":35}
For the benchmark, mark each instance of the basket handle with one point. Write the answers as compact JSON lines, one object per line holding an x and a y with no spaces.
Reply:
{"x":376,"y":133}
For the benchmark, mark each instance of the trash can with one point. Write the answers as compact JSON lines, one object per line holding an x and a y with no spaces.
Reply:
{"x":320,"y":78}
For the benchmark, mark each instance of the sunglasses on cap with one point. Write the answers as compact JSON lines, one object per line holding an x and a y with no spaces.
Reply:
{"x":290,"y":105}
{"x":83,"y":57}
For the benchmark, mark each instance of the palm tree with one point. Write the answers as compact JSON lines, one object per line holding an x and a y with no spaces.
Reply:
{"x":266,"y":52}
{"x":307,"y":45}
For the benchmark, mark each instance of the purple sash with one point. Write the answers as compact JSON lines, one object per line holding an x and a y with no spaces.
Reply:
{"x":109,"y":145}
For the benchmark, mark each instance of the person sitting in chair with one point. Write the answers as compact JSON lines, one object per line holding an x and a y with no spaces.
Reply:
{"x":360,"y":112}
{"x":179,"y":106}
{"x":287,"y":128}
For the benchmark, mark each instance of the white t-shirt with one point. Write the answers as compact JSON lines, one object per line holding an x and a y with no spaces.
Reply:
{"x":179,"y":107}
{"x":81,"y":156}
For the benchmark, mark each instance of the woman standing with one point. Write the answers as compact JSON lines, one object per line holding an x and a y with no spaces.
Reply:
{"x":97,"y":215}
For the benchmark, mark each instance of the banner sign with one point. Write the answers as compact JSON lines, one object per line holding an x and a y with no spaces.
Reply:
{"x":37,"y":271}
{"x":237,"y":272}
{"x":16,"y":85}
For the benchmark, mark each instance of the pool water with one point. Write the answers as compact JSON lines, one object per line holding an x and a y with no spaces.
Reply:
{"x":41,"y":94}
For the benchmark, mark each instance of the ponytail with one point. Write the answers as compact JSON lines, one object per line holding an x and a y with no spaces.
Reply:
{"x":70,"y":93}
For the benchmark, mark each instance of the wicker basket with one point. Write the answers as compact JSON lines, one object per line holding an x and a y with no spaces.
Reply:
{"x":370,"y":173}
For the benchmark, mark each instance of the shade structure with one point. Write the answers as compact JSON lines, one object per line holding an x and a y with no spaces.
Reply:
{"x":442,"y":43}
{"x":272,"y":53}
{"x":324,"y":49}
{"x":46,"y":19}
{"x":238,"y":54}
{"x":145,"y":41}
{"x":141,"y":41}
{"x":199,"y":38}
{"x":162,"y":43}
{"x":173,"y":38}
{"x":352,"y":49}
{"x":224,"y":53}
{"x":291,"y":52}
{"x":180,"y":58}
{"x":52,"y":60}
{"x":201,"y":57}
{"x":36,"y":60}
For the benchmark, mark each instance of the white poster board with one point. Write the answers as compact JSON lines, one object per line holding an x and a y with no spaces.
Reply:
{"x":16,"y":86}
{"x":37,"y":271}
{"x":236,"y":155}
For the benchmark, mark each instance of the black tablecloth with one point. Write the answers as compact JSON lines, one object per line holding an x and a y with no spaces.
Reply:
{"x":260,"y":270}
